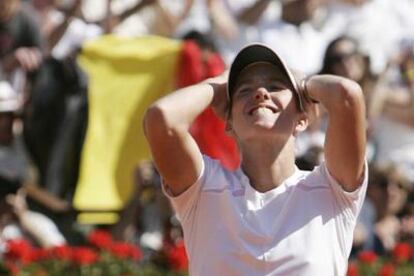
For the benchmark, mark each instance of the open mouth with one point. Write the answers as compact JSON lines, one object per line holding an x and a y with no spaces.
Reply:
{"x":262,"y":110}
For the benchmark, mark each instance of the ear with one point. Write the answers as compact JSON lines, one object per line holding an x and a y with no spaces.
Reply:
{"x":301,"y":124}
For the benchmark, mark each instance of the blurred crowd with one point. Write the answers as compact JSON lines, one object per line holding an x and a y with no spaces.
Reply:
{"x":44,"y":102}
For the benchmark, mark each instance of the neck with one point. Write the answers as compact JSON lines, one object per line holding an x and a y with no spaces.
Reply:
{"x":271,"y":167}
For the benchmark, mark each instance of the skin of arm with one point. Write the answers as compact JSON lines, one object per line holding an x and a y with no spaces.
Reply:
{"x":170,"y":20}
{"x":47,"y":199}
{"x":251,"y":15}
{"x":345,"y":137}
{"x":166,"y":126}
{"x":223,"y":22}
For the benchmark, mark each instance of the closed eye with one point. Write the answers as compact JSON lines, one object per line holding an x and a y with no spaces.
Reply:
{"x":242,"y":90}
{"x":276,"y":86}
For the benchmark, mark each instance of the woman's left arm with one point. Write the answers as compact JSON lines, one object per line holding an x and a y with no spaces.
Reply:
{"x":346,"y":133}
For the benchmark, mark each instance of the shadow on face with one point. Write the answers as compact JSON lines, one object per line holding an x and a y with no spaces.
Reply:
{"x":263,"y":104}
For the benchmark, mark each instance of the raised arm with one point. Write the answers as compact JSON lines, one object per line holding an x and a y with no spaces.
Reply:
{"x":166,"y":126}
{"x":252,"y":14}
{"x":345,"y":137}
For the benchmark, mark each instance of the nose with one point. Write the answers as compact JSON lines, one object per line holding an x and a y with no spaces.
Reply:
{"x":261,"y":94}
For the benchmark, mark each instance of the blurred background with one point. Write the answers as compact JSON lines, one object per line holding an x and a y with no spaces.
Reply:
{"x":77,"y":75}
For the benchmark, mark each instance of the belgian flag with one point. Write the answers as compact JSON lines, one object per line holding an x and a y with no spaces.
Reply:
{"x":125,"y":76}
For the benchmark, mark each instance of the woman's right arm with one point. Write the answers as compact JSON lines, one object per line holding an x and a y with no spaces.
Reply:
{"x":166,"y":126}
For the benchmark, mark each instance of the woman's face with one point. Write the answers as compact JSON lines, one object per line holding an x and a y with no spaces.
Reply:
{"x":347,"y":62}
{"x":263,"y":104}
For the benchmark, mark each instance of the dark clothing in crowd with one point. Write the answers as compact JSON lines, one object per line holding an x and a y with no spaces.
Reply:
{"x":20,"y":31}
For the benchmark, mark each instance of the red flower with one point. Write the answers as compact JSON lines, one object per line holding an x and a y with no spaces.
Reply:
{"x":19,"y":250}
{"x":39,"y":254}
{"x":84,"y":256}
{"x":177,"y":257}
{"x":367,"y":257}
{"x":100,"y":239}
{"x":402,"y":252}
{"x":62,"y":252}
{"x":352,"y":270}
{"x":387,"y":270}
{"x":12,"y":267}
{"x":126,"y":251}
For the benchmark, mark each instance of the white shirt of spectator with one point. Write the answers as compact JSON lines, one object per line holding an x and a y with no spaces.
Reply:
{"x":247,"y":33}
{"x":75,"y":35}
{"x":302,"y":227}
{"x":302,"y":47}
{"x":378,"y":25}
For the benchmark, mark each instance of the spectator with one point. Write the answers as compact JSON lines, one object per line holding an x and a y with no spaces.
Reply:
{"x":155,"y":17}
{"x":20,"y":43}
{"x":377,"y":25}
{"x":344,"y":58}
{"x":63,"y":28}
{"x":295,"y":29}
{"x":18,"y":222}
{"x":147,"y":216}
{"x":16,"y":173}
{"x":388,"y":191}
{"x":392,"y":114}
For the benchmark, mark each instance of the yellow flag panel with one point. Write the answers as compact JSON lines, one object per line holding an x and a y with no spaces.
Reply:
{"x":125,"y":76}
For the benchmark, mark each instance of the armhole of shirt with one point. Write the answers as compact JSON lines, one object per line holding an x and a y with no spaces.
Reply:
{"x":185,"y":204}
{"x":352,"y":199}
{"x":190,"y":190}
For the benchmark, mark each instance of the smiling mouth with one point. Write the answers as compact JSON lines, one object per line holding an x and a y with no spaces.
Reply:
{"x":262,"y":110}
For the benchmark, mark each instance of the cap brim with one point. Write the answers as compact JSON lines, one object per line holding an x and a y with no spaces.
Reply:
{"x":260,"y":53}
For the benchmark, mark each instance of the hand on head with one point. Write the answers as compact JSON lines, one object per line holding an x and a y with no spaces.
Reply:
{"x":220,"y":102}
{"x":310,"y":106}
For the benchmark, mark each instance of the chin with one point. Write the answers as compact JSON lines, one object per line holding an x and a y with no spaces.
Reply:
{"x":265,"y":125}
{"x":260,"y":130}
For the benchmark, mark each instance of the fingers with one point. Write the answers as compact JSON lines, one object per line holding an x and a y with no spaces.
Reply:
{"x":303,"y":87}
{"x":28,"y":58}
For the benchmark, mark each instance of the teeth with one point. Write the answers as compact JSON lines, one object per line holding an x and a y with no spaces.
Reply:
{"x":262,"y":111}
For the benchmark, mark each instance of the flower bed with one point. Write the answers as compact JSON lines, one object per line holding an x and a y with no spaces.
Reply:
{"x":102,"y":256}
{"x":399,"y":263}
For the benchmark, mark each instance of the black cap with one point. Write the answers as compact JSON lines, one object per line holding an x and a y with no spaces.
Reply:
{"x":260,"y":53}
